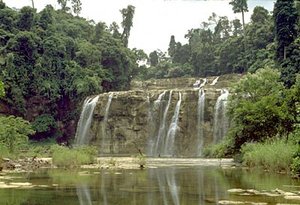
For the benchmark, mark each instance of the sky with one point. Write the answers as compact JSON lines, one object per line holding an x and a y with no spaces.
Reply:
{"x":154,"y":20}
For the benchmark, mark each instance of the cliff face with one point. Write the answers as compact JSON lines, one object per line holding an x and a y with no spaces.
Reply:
{"x":159,"y":118}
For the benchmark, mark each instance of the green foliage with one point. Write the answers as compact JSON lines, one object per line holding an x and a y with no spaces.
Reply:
{"x":44,"y":126}
{"x":258,"y":109}
{"x":14,"y":132}
{"x":273,"y":155}
{"x":216,"y":151}
{"x":58,"y":59}
{"x":239,"y":6}
{"x":286,"y":19}
{"x":72,"y":158}
{"x":127,"y":14}
{"x":2,"y":93}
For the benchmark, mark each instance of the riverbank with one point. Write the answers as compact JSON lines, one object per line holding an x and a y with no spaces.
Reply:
{"x":31,"y":164}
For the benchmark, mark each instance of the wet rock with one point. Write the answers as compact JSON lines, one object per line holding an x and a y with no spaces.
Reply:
{"x":292,"y":197}
{"x":236,"y":190}
{"x":225,"y":202}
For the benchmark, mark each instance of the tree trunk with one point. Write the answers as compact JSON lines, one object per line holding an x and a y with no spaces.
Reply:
{"x":243,"y":19}
{"x":32,"y":2}
{"x":284,"y":52}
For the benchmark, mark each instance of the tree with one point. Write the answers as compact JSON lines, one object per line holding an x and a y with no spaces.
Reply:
{"x":32,"y":3}
{"x":26,"y":19}
{"x":153,"y":56}
{"x":14,"y":132}
{"x":63,"y":4}
{"x":240,"y":6}
{"x":172,"y":46}
{"x":76,"y":6}
{"x":260,"y":15}
{"x":286,"y":19}
{"x":127,"y":15}
{"x":258,"y":109}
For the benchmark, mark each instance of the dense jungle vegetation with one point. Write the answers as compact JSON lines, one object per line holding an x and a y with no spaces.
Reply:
{"x":50,"y":60}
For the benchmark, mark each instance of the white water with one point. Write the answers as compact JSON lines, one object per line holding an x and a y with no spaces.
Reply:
{"x":162,"y":129}
{"x":200,"y":127}
{"x":215,"y":80}
{"x":203,"y":83}
{"x":104,"y":122}
{"x":82,"y":136}
{"x":169,"y":143}
{"x":153,"y":115}
{"x":220,"y":118}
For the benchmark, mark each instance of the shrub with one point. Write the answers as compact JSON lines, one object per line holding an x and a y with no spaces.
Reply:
{"x":276,"y":155}
{"x":44,"y":125}
{"x":70,"y":158}
{"x":14,"y":132}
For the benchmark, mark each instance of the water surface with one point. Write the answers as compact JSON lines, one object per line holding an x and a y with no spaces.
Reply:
{"x":170,"y":185}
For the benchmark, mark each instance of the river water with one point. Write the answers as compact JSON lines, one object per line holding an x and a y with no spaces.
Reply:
{"x":162,"y":185}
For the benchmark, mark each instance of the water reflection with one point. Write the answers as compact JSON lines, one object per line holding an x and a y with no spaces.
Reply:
{"x":83,"y":193}
{"x":165,"y":186}
{"x":154,"y":186}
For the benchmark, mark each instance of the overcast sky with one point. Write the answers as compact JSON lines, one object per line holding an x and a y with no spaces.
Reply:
{"x":154,"y":20}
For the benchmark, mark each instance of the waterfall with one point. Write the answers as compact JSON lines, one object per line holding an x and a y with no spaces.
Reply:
{"x":220,"y":119}
{"x":153,"y":115}
{"x":200,"y":127}
{"x":103,"y":127}
{"x":215,"y":80}
{"x":203,"y":83}
{"x":169,"y":143}
{"x":162,"y":129}
{"x":82,"y":136}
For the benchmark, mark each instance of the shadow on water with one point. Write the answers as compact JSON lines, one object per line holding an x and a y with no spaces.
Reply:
{"x":171,"y":185}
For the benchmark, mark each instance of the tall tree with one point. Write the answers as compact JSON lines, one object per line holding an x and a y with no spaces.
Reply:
{"x":285,"y":17}
{"x":127,"y":14}
{"x":240,"y":6}
{"x":153,"y":56}
{"x":32,"y":2}
{"x":172,"y":46}
{"x":76,"y":6}
{"x":63,"y":4}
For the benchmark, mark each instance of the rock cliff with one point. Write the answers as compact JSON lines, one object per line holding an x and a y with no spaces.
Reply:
{"x":141,"y":119}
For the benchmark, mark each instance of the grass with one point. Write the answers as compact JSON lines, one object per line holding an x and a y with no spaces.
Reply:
{"x":276,"y":155}
{"x":70,"y":158}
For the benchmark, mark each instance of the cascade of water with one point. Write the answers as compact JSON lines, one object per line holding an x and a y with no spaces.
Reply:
{"x":153,"y":115}
{"x":83,"y":127}
{"x":200,"y":127}
{"x":103,"y":127}
{"x":169,"y":142}
{"x":215,"y":80}
{"x":162,"y":129}
{"x":220,"y":119}
{"x":203,"y":83}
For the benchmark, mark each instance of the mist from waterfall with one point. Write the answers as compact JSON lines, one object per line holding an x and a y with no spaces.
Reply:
{"x":200,"y":127}
{"x":221,"y":123}
{"x":82,"y":136}
{"x":159,"y":144}
{"x":104,"y":122}
{"x":170,"y":138}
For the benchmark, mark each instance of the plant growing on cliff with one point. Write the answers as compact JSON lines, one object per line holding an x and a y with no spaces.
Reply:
{"x":14,"y":132}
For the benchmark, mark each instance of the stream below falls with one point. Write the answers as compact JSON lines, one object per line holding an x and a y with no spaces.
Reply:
{"x":161,"y":183}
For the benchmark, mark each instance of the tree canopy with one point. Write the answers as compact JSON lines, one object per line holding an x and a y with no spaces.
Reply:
{"x":51,"y":60}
